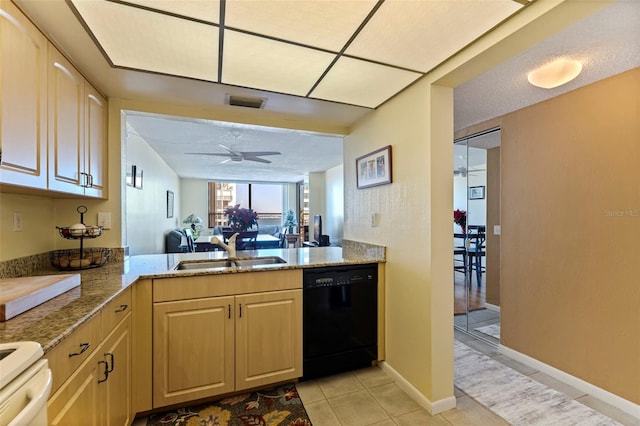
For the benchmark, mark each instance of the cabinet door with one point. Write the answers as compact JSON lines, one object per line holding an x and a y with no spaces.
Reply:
{"x":79,"y":399}
{"x":23,"y":90}
{"x":192,"y":349}
{"x":116,"y":351}
{"x":95,"y":159}
{"x":66,"y":117}
{"x":268,"y":338}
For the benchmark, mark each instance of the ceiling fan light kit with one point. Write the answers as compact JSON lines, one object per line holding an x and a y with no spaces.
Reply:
{"x":555,"y":73}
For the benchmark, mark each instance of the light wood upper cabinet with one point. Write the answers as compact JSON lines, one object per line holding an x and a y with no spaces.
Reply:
{"x":66,"y":119}
{"x":193,"y":349}
{"x":23,"y":90}
{"x":268,"y":338}
{"x":53,"y":123}
{"x":95,"y":158}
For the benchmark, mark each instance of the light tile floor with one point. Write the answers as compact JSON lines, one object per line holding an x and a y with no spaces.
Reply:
{"x":370,"y":397}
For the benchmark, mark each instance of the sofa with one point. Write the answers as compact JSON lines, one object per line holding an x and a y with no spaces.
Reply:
{"x":173,"y":241}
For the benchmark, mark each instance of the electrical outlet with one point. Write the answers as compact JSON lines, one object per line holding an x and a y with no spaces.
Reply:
{"x":17,"y":221}
{"x":104,"y":220}
{"x":374,"y":219}
{"x":496,"y":229}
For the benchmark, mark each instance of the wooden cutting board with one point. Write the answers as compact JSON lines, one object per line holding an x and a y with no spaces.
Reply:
{"x":18,"y":295}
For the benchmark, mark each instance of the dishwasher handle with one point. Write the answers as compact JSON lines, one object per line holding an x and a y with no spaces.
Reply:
{"x":38,"y":391}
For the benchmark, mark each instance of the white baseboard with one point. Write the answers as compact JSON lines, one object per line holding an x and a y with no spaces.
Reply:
{"x":491,"y":307}
{"x":603,"y":395}
{"x":432,"y":407}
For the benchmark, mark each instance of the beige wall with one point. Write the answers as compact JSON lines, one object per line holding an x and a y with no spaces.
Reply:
{"x":334,"y":204}
{"x":407,"y":213}
{"x":146,"y":208}
{"x":493,"y":218}
{"x":570,"y":233}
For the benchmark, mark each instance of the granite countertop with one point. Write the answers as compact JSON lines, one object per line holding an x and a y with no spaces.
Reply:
{"x":50,"y":322}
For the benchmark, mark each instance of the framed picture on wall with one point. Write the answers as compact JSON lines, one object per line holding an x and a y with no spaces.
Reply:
{"x":131,"y":172}
{"x":169,"y":204}
{"x":374,"y":168}
{"x":476,"y":192}
{"x":137,"y":179}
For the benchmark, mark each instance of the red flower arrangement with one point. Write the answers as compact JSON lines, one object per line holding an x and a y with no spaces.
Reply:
{"x":460,"y":218}
{"x":241,"y":219}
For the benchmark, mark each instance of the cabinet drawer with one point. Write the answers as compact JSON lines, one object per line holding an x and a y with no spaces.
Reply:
{"x":65,"y":358}
{"x":115,"y":311}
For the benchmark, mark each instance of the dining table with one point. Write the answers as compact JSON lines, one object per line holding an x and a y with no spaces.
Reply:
{"x":263,"y":241}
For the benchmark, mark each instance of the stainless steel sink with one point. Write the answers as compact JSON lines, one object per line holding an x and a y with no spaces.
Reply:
{"x":259,"y":261}
{"x":204,"y":264}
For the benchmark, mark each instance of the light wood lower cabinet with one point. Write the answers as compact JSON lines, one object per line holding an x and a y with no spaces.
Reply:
{"x":116,"y":351}
{"x":193,"y":352}
{"x":98,"y":392}
{"x":268,"y":338}
{"x":78,"y":400}
{"x":209,"y":346}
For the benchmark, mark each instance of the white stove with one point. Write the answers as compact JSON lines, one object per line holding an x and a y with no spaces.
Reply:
{"x":25,"y":384}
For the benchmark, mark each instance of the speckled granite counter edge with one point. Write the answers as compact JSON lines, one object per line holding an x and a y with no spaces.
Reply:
{"x":51,"y":322}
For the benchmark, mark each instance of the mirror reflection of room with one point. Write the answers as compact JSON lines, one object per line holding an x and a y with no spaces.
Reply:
{"x":476,"y":208}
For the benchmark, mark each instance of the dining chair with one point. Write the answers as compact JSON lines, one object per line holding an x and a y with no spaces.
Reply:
{"x":248,"y":240}
{"x":476,"y":250}
{"x":459,"y":249}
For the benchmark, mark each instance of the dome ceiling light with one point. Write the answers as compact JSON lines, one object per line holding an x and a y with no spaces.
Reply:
{"x":555,"y":73}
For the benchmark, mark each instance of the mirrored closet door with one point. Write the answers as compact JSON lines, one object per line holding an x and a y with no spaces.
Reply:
{"x":476,"y":205}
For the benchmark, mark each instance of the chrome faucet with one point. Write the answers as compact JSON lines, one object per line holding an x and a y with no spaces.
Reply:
{"x":230,"y":247}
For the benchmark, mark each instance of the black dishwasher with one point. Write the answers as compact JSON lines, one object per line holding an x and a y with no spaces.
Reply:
{"x":340,"y":319}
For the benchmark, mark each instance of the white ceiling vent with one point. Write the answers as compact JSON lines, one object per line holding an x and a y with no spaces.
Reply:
{"x":246,"y":101}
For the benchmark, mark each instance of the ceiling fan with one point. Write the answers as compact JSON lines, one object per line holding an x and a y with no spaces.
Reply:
{"x":463,"y":171}
{"x":239,"y":155}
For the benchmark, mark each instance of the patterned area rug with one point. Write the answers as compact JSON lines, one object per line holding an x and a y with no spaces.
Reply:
{"x":517,"y":398}
{"x":271,"y":407}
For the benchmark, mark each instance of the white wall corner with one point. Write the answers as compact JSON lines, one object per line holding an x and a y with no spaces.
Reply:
{"x":590,"y":389}
{"x":433,"y":407}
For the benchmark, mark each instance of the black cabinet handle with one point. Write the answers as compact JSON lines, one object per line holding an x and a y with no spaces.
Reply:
{"x":240,"y":310}
{"x":122,"y":308}
{"x":229,"y":310}
{"x":84,"y":347}
{"x":106,"y":371}
{"x":113,"y":363}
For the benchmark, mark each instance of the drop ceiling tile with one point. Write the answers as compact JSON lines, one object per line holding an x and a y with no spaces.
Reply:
{"x":318,"y":23}
{"x":204,"y":10}
{"x":358,"y":82}
{"x":271,"y":65}
{"x":421,"y":34}
{"x":152,"y":41}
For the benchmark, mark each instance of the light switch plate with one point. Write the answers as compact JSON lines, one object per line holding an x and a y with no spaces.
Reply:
{"x":104,"y":220}
{"x":17,"y":221}
{"x":496,"y":229}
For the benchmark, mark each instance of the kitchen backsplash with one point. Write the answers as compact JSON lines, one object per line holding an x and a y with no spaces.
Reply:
{"x":28,"y":265}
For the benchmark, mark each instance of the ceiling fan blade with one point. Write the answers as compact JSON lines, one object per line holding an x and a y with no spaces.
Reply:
{"x":210,"y":153}
{"x":257,"y":159}
{"x":226,"y":161}
{"x":259,"y":153}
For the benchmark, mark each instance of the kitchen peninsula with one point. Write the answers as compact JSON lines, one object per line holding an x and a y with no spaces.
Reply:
{"x":127,"y":309}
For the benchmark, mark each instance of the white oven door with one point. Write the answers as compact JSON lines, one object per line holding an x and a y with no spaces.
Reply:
{"x":24,"y":400}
